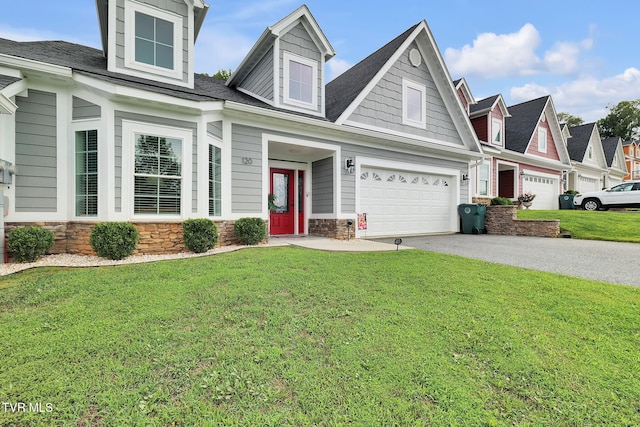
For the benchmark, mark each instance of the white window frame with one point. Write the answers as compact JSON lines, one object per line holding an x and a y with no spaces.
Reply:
{"x":75,"y":172}
{"x":497,"y":125}
{"x":287,"y":58}
{"x":209,"y":182}
{"x":129,"y":131}
{"x":543,"y":142}
{"x":406,"y":85}
{"x":590,"y":152}
{"x":488,"y":166}
{"x":130,"y":9}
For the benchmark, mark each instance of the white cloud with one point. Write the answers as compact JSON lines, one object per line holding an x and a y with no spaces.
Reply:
{"x":217,"y":49}
{"x":335,"y":67}
{"x":586,"y":97}
{"x":503,"y":55}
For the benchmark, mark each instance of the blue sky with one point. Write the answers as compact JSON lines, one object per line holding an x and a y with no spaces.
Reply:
{"x":585,"y":54}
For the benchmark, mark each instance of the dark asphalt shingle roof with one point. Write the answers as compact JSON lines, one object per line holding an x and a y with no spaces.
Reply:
{"x":520,"y":126}
{"x":344,"y":89}
{"x":610,"y":146}
{"x":483,"y":104}
{"x":579,"y":142}
{"x":6,"y":81}
{"x":90,"y":61}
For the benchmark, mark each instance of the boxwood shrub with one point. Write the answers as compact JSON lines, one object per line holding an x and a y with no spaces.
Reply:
{"x":27,"y":244}
{"x":501,"y":201}
{"x":200,"y":234}
{"x":250,"y":231}
{"x":114,"y":240}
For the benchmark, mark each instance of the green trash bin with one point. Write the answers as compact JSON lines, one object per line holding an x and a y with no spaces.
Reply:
{"x":566,"y":201}
{"x":472,"y":218}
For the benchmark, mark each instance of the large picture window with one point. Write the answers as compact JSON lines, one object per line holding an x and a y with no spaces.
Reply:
{"x":215,"y":180}
{"x":157,"y":175}
{"x":87,"y":173}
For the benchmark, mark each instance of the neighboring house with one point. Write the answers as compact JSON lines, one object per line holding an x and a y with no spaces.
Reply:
{"x":526,"y":148}
{"x":587,"y":157}
{"x":632,"y":159}
{"x":130,"y":133}
{"x":616,"y":166}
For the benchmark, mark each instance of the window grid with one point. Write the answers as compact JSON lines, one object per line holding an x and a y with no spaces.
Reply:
{"x":154,"y":41}
{"x":87,"y":173}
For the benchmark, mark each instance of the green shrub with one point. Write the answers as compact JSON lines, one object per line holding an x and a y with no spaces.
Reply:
{"x":250,"y":231}
{"x":114,"y":240}
{"x":571,"y":192}
{"x":27,"y":244}
{"x":501,"y":201}
{"x":199,"y":234}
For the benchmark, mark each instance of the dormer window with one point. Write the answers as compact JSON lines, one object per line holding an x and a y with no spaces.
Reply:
{"x":153,"y":40}
{"x":496,"y":132}
{"x":300,"y":81}
{"x":542,"y":140}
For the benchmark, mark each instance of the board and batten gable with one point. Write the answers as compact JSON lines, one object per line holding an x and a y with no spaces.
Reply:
{"x":298,"y":42}
{"x":246,"y":169}
{"x":152,"y":120}
{"x":36,"y":152}
{"x":83,"y":109}
{"x":177,"y":7}
{"x":382,"y":108}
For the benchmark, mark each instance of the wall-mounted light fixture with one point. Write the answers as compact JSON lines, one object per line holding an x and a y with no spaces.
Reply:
{"x":350,"y":165}
{"x":465,"y":177}
{"x":522,"y":173}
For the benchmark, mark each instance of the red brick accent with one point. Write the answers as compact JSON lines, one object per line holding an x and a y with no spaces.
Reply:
{"x":502,"y":220}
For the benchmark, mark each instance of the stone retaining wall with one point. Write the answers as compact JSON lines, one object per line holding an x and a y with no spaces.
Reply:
{"x":502,"y":220}
{"x":155,"y":238}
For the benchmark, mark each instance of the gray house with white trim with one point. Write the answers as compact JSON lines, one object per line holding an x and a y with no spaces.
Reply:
{"x":131,"y":133}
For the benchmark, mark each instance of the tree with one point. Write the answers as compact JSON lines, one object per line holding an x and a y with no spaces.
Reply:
{"x":622,"y":121}
{"x":569,"y":119}
{"x":223,"y":74}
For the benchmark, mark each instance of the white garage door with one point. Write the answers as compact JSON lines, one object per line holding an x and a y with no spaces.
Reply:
{"x":546,"y":191}
{"x":399,"y":203}
{"x":589,"y":184}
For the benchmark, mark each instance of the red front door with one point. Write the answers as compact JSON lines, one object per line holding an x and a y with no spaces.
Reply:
{"x":282,"y":218}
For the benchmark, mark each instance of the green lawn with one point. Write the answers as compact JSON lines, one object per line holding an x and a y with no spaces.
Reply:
{"x":616,"y":226}
{"x":294,"y":337}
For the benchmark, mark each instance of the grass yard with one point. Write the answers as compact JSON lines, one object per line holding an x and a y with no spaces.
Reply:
{"x":293,"y":337}
{"x":615,"y":226}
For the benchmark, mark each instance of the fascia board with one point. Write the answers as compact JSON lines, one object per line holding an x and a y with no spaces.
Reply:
{"x":7,"y":106}
{"x":31,"y":65}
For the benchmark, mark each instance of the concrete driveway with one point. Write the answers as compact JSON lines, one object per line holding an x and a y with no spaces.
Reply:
{"x":604,"y":261}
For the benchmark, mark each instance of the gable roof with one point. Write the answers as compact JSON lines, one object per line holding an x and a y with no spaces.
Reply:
{"x":523,"y":122}
{"x":610,"y":146}
{"x":462,"y":85}
{"x":579,"y":142}
{"x":342,"y":91}
{"x":270,"y":34}
{"x":486,"y":105}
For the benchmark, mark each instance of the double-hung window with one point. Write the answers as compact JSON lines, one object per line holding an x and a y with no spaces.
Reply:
{"x":86,"y":173}
{"x":300,"y":81}
{"x":483,"y":179}
{"x":414,"y":104}
{"x":542,"y":140}
{"x":157,"y":175}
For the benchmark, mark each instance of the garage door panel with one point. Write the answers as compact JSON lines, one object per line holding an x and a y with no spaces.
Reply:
{"x":546,"y":190}
{"x":412,"y":203}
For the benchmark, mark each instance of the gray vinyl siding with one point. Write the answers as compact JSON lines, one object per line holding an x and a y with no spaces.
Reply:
{"x":119,"y":116}
{"x":383,"y":105}
{"x":246,"y":179}
{"x":36,"y":153}
{"x":84,"y":109}
{"x":260,"y":80}
{"x":215,"y":129}
{"x":322,"y":186}
{"x":178,"y":7}
{"x":299,"y":42}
